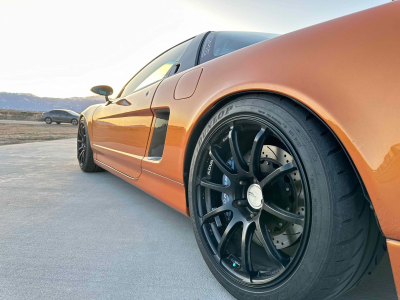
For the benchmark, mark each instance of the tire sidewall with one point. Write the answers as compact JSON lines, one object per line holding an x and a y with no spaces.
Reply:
{"x":306,"y":273}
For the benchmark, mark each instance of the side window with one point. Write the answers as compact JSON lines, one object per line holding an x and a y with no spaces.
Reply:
{"x":223,"y":42}
{"x":155,"y":70}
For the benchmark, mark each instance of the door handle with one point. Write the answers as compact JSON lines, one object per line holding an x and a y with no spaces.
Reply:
{"x":123,"y":102}
{"x":177,"y":66}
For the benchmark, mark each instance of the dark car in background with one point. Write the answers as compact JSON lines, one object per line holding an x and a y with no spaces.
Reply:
{"x":61,"y":116}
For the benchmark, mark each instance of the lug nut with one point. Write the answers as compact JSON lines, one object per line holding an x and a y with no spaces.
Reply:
{"x":242,"y":203}
{"x":287,"y":189}
{"x":280,"y":224}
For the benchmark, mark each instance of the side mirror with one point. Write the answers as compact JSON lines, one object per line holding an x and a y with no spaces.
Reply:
{"x":103,"y":90}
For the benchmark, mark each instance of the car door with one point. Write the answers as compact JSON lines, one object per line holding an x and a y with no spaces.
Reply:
{"x":121,"y":128}
{"x":56,"y":116}
{"x":65,"y":116}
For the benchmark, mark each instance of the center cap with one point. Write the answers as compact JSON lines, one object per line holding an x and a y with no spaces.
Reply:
{"x":254,"y":196}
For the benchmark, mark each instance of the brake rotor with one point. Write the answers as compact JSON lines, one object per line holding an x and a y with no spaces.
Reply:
{"x":291,"y":198}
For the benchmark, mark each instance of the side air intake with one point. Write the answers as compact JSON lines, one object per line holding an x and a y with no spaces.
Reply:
{"x":159,"y":134}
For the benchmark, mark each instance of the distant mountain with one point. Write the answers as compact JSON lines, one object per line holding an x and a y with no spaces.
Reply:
{"x":29,"y":102}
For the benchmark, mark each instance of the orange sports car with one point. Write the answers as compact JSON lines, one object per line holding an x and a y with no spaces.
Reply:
{"x":283,"y":150}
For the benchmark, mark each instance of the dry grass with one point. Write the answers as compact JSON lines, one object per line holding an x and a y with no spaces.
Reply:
{"x":10,"y":114}
{"x":17,"y":132}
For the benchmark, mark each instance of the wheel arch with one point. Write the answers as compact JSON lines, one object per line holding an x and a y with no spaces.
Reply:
{"x":202,"y":121}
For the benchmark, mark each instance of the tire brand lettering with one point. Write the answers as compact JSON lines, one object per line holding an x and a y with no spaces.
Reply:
{"x":212,"y":122}
{"x":228,"y":109}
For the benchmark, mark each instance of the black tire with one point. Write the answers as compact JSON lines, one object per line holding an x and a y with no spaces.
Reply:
{"x":58,"y":123}
{"x":74,"y":122}
{"x":341,"y":242}
{"x":84,"y":151}
{"x":48,"y":120}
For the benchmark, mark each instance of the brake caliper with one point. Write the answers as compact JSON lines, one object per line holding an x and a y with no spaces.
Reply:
{"x":225,"y":181}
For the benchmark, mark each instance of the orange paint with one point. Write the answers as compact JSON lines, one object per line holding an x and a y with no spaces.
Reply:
{"x":187,"y":84}
{"x":325,"y":67}
{"x":121,"y":131}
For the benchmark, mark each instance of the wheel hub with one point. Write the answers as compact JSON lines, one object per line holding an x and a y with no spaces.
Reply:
{"x":254,"y":196}
{"x":284,"y":234}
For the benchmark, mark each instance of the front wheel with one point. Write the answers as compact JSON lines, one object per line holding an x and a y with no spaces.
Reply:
{"x":84,"y":150}
{"x":74,"y":122}
{"x":277,"y":210}
{"x":48,"y":120}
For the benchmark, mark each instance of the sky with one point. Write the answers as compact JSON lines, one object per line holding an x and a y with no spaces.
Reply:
{"x":61,"y":48}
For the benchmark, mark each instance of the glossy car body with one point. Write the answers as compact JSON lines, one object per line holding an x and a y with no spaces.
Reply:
{"x":345,"y":71}
{"x":61,"y":116}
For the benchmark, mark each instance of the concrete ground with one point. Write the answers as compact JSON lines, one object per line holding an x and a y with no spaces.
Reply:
{"x":65,"y":234}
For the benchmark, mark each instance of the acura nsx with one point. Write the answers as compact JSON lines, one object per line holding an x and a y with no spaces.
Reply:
{"x":283,"y":150}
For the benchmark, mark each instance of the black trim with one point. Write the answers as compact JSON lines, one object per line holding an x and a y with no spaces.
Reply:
{"x":189,"y":58}
{"x":156,"y":148}
{"x":201,"y":45}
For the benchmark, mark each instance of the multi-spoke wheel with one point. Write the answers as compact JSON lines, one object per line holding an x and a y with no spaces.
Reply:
{"x":252,"y":193}
{"x":267,"y":192}
{"x":82,"y":143}
{"x":84,"y":151}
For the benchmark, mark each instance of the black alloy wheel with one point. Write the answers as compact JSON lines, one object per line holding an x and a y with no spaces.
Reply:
{"x":84,"y":150}
{"x":253,"y":197}
{"x":266,"y":189}
{"x":82,"y":143}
